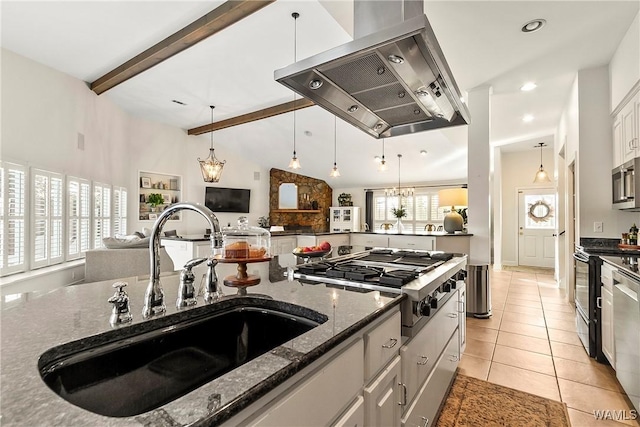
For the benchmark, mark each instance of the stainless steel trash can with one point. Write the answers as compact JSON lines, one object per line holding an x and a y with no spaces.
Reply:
{"x":478,"y":291}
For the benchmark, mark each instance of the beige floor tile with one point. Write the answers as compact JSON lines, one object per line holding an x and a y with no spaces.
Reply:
{"x":566,"y":308}
{"x":524,"y":342}
{"x":523,"y":309}
{"x":547,"y":279}
{"x":482,"y":334}
{"x":564,"y":336}
{"x":526,"y":290}
{"x":518,"y":281}
{"x":497,"y":304}
{"x":562,"y":324}
{"x":527,"y":297}
{"x":524,"y":380}
{"x":524,"y":329}
{"x":571,"y":352}
{"x":526,"y":303}
{"x":588,"y":398}
{"x":595,"y":374}
{"x":492,"y":322}
{"x":524,"y":359}
{"x":474,"y":367}
{"x":529,"y":319}
{"x":560,"y":300}
{"x":559,"y":315}
{"x":479,"y":349}
{"x":583,"y":419}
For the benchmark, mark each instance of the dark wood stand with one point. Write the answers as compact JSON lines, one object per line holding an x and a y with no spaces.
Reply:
{"x":242,"y":280}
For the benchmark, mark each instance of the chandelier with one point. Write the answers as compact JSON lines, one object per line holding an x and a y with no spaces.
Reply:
{"x":211,"y":167}
{"x":400,"y":192}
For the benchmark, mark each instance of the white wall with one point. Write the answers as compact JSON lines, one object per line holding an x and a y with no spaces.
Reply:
{"x":43,"y":111}
{"x":625,"y":64}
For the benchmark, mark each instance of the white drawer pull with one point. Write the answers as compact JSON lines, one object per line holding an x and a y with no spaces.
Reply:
{"x":453,"y":315}
{"x":423,"y":360}
{"x":392,"y":343}
{"x":453,"y":358}
{"x":426,"y":422}
{"x":404,"y":394}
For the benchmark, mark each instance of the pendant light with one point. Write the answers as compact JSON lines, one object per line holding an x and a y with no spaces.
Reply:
{"x":335,"y":172}
{"x":294,"y":163}
{"x":541,"y":176}
{"x":211,"y":167}
{"x":383,"y":164}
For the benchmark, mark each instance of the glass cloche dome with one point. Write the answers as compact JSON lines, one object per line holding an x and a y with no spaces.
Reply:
{"x":245,"y":241}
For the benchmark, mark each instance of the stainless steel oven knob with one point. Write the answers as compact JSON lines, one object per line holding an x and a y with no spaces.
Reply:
{"x":423,"y":308}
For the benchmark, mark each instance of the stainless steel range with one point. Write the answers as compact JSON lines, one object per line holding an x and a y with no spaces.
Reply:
{"x":428,"y":278}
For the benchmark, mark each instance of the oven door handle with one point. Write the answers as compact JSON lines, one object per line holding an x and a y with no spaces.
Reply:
{"x":580,"y":257}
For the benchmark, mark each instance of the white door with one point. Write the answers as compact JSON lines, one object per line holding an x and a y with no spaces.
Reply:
{"x":536,"y":227}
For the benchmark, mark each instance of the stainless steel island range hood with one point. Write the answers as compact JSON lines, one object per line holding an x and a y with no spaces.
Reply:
{"x":392,"y":79}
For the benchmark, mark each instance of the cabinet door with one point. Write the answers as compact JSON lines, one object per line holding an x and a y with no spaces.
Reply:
{"x":354,"y":416}
{"x":370,"y":240}
{"x":380,"y":345}
{"x":426,"y":243}
{"x":608,"y":339}
{"x":419,"y":357}
{"x":629,"y":137}
{"x":381,"y":404}
{"x":617,"y":141}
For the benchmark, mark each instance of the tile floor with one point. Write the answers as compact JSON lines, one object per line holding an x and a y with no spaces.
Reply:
{"x":530,"y":344}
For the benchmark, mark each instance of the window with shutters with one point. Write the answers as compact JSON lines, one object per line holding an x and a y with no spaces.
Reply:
{"x":422,"y":209}
{"x":79,"y":217}
{"x":12,"y":218}
{"x":119,"y":210}
{"x":47,"y":231}
{"x":101,"y":213}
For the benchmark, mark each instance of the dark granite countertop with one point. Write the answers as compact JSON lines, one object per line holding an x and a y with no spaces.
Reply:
{"x":37,"y":321}
{"x":419,"y":233}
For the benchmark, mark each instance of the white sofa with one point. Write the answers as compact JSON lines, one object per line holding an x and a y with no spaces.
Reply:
{"x":106,"y":264}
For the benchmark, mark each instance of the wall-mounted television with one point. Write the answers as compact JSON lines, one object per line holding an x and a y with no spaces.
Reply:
{"x":220,"y":199}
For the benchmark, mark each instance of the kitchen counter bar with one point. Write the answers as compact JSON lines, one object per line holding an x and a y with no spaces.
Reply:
{"x":35,"y":322}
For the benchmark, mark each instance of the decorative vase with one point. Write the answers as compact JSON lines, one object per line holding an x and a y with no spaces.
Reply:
{"x":399,"y":226}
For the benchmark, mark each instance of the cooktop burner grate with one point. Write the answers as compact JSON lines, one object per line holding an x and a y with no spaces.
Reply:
{"x":398,"y":278}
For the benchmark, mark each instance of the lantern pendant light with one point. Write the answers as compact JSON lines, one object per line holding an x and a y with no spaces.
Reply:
{"x":335,"y":172}
{"x":211,"y":167}
{"x":294,"y":163}
{"x":541,"y":176}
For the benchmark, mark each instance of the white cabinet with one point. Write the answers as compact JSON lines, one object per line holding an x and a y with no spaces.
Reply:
{"x":427,"y":243}
{"x":335,"y":384}
{"x":380,"y":345}
{"x":424,"y":408}
{"x":370,"y":240}
{"x":626,"y":134}
{"x":352,"y":417}
{"x":334,"y":239}
{"x":381,"y":407}
{"x":606,"y":305}
{"x":462,"y":314}
{"x":345,"y":218}
{"x":283,"y":244}
{"x":182,"y":251}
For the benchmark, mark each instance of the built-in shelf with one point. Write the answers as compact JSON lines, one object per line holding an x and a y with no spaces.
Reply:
{"x":296,"y":210}
{"x":168,"y":186}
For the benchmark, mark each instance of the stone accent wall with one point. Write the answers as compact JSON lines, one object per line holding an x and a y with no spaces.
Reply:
{"x":309,"y":190}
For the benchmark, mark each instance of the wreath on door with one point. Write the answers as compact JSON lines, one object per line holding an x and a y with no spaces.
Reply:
{"x":540,"y":211}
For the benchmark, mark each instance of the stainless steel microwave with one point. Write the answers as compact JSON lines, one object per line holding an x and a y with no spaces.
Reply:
{"x":624,"y":179}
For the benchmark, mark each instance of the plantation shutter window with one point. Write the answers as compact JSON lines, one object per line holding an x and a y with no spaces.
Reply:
{"x":48,"y":227}
{"x":12,"y":218}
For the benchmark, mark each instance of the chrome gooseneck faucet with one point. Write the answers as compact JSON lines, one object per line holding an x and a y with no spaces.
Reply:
{"x":154,"y":296}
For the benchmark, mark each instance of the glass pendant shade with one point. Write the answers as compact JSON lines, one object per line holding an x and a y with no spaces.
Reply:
{"x":541,"y":176}
{"x":383,"y":164}
{"x":294,"y":163}
{"x":211,"y":167}
{"x":334,"y":172}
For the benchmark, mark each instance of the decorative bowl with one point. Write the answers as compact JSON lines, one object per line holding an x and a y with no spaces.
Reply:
{"x":315,"y":254}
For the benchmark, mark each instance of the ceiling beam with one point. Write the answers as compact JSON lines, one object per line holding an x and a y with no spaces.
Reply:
{"x":287,"y":107}
{"x":218,"y":19}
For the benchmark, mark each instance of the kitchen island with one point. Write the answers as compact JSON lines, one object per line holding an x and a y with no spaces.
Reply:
{"x":35,"y":322}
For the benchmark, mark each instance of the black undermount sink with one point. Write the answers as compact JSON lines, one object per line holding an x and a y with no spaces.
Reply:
{"x":152,"y":363}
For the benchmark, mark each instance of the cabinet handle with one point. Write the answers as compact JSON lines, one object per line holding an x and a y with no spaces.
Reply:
{"x":426,"y":421}
{"x":425,"y":360}
{"x":461,"y":304}
{"x":392,"y":343}
{"x":599,"y":302}
{"x":453,"y":315}
{"x":404,"y":394}
{"x":453,"y":358}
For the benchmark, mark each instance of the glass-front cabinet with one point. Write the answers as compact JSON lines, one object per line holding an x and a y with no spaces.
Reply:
{"x":156,"y":192}
{"x":344,"y":218}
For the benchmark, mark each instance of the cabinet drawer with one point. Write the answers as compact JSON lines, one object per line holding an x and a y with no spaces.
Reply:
{"x":424,"y":408}
{"x":303,"y":404}
{"x":447,"y":319}
{"x":380,"y":345}
{"x":606,"y":276}
{"x":381,"y":400}
{"x":418,"y":358}
{"x":352,"y":417}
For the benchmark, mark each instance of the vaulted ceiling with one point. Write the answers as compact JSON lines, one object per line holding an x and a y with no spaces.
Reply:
{"x":233,"y":70}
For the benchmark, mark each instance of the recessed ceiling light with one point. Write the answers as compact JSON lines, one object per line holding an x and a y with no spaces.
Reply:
{"x":527,"y":118}
{"x":533,"y":25}
{"x":308,"y":133}
{"x":423,"y":152}
{"x":528,"y":86}
{"x":396,"y":59}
